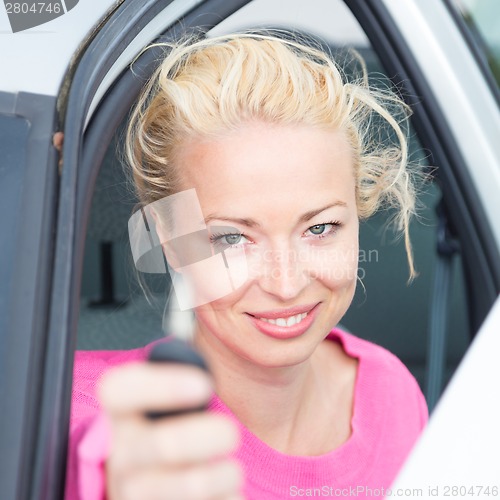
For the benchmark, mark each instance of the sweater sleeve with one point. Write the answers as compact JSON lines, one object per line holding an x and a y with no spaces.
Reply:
{"x":90,"y":431}
{"x":88,"y":450}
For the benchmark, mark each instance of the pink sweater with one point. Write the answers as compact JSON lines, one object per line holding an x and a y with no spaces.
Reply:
{"x":389,"y":414}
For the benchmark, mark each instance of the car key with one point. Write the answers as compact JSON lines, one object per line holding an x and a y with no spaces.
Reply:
{"x":176,"y":351}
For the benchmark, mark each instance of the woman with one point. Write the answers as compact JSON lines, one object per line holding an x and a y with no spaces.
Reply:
{"x":276,"y":151}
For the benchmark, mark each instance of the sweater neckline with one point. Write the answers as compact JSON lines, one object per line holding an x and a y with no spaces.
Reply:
{"x":278,"y":472}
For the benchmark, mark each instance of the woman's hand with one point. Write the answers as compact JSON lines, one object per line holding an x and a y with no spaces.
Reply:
{"x":179,"y":457}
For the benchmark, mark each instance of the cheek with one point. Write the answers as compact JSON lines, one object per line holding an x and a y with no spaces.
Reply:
{"x":217,"y":319}
{"x":335,"y":263}
{"x":219,"y":276}
{"x":336,"y":267}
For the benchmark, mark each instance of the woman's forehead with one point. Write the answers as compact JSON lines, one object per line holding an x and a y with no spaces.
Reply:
{"x":267,"y":160}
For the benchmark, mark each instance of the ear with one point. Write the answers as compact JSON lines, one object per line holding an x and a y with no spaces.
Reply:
{"x":164,"y":237}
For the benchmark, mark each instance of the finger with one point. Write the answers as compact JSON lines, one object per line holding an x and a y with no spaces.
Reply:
{"x":203,"y":482}
{"x":174,"y":442}
{"x":140,"y":387}
{"x":57,"y":140}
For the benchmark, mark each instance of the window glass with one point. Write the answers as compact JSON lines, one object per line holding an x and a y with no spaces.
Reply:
{"x":483,"y":18}
{"x":119,"y":309}
{"x":14,"y":132}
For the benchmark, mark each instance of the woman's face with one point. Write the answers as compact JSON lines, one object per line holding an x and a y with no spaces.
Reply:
{"x":286,"y":195}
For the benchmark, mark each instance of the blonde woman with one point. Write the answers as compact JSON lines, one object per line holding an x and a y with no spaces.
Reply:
{"x":276,"y":150}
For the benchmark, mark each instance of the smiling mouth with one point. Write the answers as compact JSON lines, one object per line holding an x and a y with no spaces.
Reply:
{"x":286,"y":321}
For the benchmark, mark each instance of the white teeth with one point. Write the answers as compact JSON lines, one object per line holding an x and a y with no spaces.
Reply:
{"x":290,"y":321}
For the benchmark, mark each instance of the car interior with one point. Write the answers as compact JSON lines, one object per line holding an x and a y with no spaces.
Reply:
{"x":122,"y":309}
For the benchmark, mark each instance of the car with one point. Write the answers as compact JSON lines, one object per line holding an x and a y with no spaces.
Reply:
{"x":66,"y":278}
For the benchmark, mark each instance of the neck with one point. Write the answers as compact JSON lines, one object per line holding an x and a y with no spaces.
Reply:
{"x":283,"y":406}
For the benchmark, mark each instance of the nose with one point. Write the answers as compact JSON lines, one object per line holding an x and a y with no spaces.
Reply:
{"x":282,"y":273}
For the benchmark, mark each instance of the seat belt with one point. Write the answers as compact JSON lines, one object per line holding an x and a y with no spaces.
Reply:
{"x":446,"y":248}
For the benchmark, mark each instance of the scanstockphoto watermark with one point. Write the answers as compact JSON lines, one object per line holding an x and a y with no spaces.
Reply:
{"x":208,"y":263}
{"x":330,"y":255}
{"x":333,"y":264}
{"x":451,"y":491}
{"x":354,"y":491}
{"x":323,"y":272}
{"x":27,"y":14}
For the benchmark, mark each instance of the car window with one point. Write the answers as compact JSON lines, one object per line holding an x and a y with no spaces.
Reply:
{"x":481,"y":18}
{"x":120,"y":309}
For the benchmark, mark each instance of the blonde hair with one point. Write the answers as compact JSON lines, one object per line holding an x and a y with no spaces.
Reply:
{"x":208,"y":86}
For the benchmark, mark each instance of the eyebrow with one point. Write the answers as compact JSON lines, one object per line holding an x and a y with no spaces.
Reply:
{"x":309,"y":215}
{"x":251,"y":223}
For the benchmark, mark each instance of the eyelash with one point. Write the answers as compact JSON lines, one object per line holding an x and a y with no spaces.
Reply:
{"x":217,"y":237}
{"x":335,"y":226}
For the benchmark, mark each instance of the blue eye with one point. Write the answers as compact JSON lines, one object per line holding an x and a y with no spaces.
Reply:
{"x":318,"y":229}
{"x":323,"y":230}
{"x":232,"y":239}
{"x":228,"y":240}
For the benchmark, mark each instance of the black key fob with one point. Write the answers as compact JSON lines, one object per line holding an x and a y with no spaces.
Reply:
{"x":175,"y":351}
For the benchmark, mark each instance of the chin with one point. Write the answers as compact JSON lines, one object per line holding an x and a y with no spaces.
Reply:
{"x":280,"y":353}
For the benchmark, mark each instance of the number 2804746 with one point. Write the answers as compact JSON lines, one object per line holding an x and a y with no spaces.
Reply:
{"x":33,"y":8}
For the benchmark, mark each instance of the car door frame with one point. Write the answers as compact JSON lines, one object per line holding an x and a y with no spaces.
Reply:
{"x":46,"y":476}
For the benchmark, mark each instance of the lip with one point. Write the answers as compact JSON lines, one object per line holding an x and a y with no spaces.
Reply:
{"x":284,"y":313}
{"x":284,"y":332}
